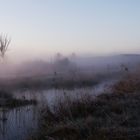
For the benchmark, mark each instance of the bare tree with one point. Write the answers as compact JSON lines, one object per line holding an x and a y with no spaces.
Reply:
{"x":4,"y":44}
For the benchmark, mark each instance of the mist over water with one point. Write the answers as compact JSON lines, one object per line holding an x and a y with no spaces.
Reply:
{"x":63,"y":64}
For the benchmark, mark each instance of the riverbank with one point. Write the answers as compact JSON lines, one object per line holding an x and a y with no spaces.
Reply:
{"x":7,"y":100}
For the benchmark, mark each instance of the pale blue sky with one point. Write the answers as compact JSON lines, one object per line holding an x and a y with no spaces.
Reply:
{"x":82,"y":26}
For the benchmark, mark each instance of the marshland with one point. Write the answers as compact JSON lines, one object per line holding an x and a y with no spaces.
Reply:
{"x":69,"y":70}
{"x":65,"y":99}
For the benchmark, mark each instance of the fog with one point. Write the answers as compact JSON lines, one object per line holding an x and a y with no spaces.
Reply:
{"x":66,"y":64}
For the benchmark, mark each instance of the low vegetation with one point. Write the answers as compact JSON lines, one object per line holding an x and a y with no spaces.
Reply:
{"x":8,"y":101}
{"x":58,"y":80}
{"x":112,"y":116}
{"x":130,"y":84}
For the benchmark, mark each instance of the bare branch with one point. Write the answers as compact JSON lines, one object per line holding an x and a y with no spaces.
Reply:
{"x":4,"y":44}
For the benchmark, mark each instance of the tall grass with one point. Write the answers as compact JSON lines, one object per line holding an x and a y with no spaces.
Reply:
{"x":113,"y":116}
{"x":109,"y":116}
{"x":130,"y":84}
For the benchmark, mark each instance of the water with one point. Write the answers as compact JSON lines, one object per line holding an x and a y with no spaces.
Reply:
{"x":21,"y":122}
{"x":18,"y":123}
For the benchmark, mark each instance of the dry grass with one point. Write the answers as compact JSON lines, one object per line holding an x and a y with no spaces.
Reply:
{"x":130,"y":84}
{"x":108,"y":117}
{"x":112,"y":116}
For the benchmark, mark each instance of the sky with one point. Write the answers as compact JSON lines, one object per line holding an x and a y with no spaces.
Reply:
{"x":40,"y":28}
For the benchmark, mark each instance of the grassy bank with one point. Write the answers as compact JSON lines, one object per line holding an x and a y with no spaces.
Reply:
{"x":108,"y":117}
{"x":58,"y":81}
{"x":12,"y":103}
{"x":8,"y":101}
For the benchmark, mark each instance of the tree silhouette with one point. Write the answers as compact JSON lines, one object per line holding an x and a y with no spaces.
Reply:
{"x":4,"y":44}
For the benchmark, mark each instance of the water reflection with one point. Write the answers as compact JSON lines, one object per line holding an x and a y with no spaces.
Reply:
{"x":17,"y":124}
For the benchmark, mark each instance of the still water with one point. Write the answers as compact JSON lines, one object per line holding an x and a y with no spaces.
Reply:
{"x":21,"y":122}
